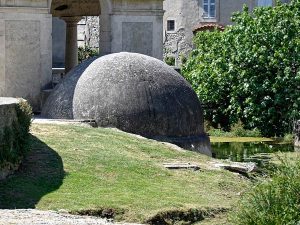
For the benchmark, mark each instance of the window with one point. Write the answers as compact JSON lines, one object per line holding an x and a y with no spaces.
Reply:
{"x":209,"y":7}
{"x":265,"y":2}
{"x":171,"y":25}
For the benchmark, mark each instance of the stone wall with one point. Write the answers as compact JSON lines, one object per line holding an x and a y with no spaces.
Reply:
{"x":25,"y":52}
{"x":7,"y":116}
{"x":88,"y":32}
{"x":13,"y":132}
{"x":175,"y":45}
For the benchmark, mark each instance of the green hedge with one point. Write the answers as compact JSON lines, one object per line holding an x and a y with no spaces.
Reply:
{"x":14,"y":139}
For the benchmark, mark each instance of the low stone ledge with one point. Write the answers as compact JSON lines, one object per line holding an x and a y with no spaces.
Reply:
{"x":7,"y":112}
{"x":10,"y":131}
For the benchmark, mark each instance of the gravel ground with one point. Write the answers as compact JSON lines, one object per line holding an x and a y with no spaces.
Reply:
{"x":38,"y":217}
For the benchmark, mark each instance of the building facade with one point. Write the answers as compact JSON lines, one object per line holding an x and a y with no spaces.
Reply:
{"x":26,"y":37}
{"x":183,"y":16}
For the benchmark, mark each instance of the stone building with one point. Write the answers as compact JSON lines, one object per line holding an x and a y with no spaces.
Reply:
{"x":183,"y":16}
{"x":88,"y":34}
{"x":26,"y":37}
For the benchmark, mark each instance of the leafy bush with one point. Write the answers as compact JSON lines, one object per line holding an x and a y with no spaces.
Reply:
{"x":183,"y":59}
{"x":15,"y":138}
{"x":86,"y":52}
{"x":276,"y":201}
{"x":289,"y":138}
{"x":216,"y":132}
{"x":250,"y":72}
{"x":170,"y":60}
{"x":236,"y":130}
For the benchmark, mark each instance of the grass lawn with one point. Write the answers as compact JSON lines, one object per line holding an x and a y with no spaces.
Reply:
{"x":240,"y":139}
{"x":86,"y":169}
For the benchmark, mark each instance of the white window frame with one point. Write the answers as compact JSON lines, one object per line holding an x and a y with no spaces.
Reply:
{"x":264,"y":3}
{"x":209,"y":4}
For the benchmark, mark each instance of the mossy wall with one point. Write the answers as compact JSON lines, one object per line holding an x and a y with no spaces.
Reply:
{"x":15,"y":119}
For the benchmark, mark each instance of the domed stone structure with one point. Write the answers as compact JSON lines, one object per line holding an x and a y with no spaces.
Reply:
{"x":135,"y":93}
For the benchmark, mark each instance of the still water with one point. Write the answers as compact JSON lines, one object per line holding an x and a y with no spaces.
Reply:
{"x":244,"y":152}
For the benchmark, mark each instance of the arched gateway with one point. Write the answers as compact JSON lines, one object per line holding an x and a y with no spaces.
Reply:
{"x":26,"y":37}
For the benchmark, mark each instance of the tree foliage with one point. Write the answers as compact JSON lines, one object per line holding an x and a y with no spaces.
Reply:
{"x":250,"y":72}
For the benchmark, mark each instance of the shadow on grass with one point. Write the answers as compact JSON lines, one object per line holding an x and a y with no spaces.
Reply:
{"x":41,"y":172}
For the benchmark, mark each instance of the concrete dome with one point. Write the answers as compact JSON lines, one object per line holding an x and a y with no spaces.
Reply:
{"x":135,"y":93}
{"x":59,"y":104}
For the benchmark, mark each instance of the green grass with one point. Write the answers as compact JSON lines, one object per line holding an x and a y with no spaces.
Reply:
{"x":80,"y":169}
{"x":284,"y":140}
{"x":272,"y":201}
{"x":241,"y":139}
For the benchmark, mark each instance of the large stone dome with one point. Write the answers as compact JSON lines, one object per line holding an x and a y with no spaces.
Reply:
{"x":135,"y":93}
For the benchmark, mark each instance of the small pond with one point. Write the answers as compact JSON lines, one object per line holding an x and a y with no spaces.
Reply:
{"x":248,"y":151}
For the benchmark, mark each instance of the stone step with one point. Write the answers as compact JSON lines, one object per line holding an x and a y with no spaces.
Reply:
{"x":57,"y":75}
{"x":44,"y":96}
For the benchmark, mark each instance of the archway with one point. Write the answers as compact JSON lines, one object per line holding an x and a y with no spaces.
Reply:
{"x":71,"y":12}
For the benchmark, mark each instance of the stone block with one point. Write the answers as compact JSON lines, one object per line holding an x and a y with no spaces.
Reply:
{"x":137,"y":37}
{"x":22,"y":60}
{"x":81,"y":32}
{"x":7,"y":116}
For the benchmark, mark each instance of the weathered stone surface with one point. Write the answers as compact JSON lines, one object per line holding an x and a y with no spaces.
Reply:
{"x":25,"y":48}
{"x":88,"y":32}
{"x":8,"y":101}
{"x":7,"y":116}
{"x":7,"y":112}
{"x":137,"y":37}
{"x":59,"y":104}
{"x":236,"y":167}
{"x":135,"y":93}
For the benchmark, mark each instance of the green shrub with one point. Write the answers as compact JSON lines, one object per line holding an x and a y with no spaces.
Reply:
{"x":86,"y":52}
{"x":272,"y":202}
{"x":15,"y":139}
{"x":183,"y":59}
{"x":251,"y":71}
{"x":289,"y":138}
{"x":236,"y":130}
{"x":170,"y":60}
{"x":219,"y":133}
